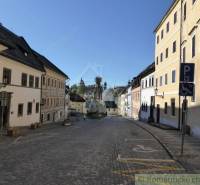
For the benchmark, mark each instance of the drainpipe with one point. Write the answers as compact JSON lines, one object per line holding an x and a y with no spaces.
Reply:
{"x":41,"y":82}
{"x":180,"y":58}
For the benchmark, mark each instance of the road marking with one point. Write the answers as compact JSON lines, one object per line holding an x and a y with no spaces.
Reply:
{"x":147,"y":160}
{"x":141,"y":148}
{"x":143,"y":170}
{"x":16,"y":140}
{"x":139,"y":139}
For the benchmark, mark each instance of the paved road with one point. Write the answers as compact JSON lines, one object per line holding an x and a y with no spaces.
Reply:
{"x":92,"y":152}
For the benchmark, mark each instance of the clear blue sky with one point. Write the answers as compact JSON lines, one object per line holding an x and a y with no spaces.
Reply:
{"x":113,"y":38}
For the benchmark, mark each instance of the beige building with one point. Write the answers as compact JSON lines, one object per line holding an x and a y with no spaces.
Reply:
{"x":136,"y":93}
{"x":77,"y":104}
{"x":191,"y":54}
{"x":20,"y":77}
{"x":177,"y":40}
{"x":52,"y":92}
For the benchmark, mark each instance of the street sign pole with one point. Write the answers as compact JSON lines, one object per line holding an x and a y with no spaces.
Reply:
{"x":184,"y":122}
{"x":186,"y":88}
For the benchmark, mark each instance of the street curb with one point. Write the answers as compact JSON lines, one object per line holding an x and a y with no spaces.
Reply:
{"x":165,"y":147}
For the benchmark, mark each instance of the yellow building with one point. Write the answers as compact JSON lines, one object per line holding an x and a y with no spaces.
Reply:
{"x":177,"y":40}
{"x":77,"y":104}
{"x":52,"y":91}
{"x":167,"y":66}
{"x":191,"y":54}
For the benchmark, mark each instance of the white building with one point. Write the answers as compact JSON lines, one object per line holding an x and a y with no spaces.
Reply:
{"x":129,"y":102}
{"x":147,"y":94}
{"x":20,"y":81}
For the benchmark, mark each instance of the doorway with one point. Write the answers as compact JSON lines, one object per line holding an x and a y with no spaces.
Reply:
{"x":4,"y":110}
{"x":158,"y":114}
{"x":152,"y":106}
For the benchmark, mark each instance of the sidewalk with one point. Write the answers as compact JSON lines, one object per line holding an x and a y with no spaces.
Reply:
{"x":171,"y":140}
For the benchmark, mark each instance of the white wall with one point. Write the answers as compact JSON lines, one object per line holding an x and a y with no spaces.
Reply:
{"x":129,"y":101}
{"x":146,"y":93}
{"x":21,"y":94}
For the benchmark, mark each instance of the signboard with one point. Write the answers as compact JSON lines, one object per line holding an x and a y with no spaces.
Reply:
{"x":186,"y":89}
{"x":187,"y":72}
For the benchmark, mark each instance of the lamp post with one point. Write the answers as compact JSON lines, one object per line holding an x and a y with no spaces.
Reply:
{"x":159,"y":95}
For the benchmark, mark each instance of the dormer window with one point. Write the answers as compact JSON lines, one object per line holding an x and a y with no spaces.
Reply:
{"x":25,"y":54}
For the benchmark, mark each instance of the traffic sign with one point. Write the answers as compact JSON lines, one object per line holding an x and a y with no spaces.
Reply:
{"x":187,"y":72}
{"x":186,"y":89}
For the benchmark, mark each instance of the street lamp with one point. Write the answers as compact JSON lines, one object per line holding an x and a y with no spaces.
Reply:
{"x":159,"y":95}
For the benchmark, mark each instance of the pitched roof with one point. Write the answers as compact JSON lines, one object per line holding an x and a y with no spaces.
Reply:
{"x":110,"y":104}
{"x":149,"y":69}
{"x":76,"y":98}
{"x":42,"y":59}
{"x":174,"y":3}
{"x":18,"y":49}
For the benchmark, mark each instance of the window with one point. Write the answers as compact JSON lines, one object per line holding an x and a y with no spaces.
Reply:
{"x":20,"y":110}
{"x":174,"y":46}
{"x":152,"y":81}
{"x":24,"y":79}
{"x":6,"y":76}
{"x":31,"y":81}
{"x":161,"y":57}
{"x":193,"y":1}
{"x":184,"y":11}
{"x":157,"y":60}
{"x":162,"y":34}
{"x":149,"y":82}
{"x":158,"y":39}
{"x":161,"y":78}
{"x":37,"y":82}
{"x":166,"y":79}
{"x":156,"y":82}
{"x":167,"y":27}
{"x":184,"y":54}
{"x":173,"y":107}
{"x":43,"y":80}
{"x":37,"y":108}
{"x":146,"y":85}
{"x":167,"y":53}
{"x":48,"y":81}
{"x":29,"y":108}
{"x":48,"y":117}
{"x":173,"y":76}
{"x":166,"y":108}
{"x":175,"y":18}
{"x":193,"y":46}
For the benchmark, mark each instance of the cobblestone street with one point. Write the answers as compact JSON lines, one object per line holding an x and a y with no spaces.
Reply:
{"x":109,"y":151}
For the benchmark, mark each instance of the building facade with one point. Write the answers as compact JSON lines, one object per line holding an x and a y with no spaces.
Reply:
{"x":129,"y":102}
{"x":20,"y":77}
{"x":177,"y":41}
{"x":52,"y":92}
{"x":136,"y":93}
{"x":77,"y":104}
{"x":148,"y":94}
{"x":167,"y":67}
{"x":190,"y":53}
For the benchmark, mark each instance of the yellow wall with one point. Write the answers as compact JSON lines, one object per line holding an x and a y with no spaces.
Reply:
{"x":55,"y":95}
{"x":169,"y":64}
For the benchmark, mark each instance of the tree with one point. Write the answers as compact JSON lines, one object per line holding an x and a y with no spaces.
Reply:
{"x":74,"y":88}
{"x":81,"y":88}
